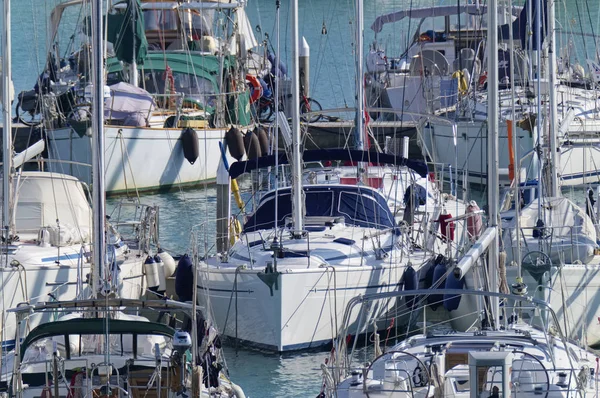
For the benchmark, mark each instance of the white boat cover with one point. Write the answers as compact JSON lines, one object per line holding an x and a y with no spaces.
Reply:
{"x":43,"y":198}
{"x":430,"y":12}
{"x":130,"y":104}
{"x":569,"y":235}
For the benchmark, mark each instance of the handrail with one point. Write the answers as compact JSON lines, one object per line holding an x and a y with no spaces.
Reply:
{"x":365,"y":298}
{"x":70,"y":162}
{"x":465,"y":216}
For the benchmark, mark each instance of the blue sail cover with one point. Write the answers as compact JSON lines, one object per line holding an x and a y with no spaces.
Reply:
{"x":360,"y":206}
{"x":520,"y":28}
{"x":316,"y":155}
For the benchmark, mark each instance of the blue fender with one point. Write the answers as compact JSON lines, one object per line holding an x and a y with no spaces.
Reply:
{"x":438,"y":278}
{"x":452,"y":301}
{"x":410,"y":281}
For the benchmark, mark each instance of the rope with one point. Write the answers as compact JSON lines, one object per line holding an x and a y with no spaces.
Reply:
{"x":502,"y":271}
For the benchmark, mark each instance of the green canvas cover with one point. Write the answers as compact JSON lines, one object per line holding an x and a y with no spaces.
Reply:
{"x":206,"y":66}
{"x":125,"y":30}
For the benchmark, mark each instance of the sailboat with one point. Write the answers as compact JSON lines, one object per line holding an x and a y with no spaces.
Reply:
{"x":500,"y":355}
{"x":47,"y":231}
{"x":440,"y":83}
{"x":101,"y":346}
{"x":304,"y":251}
{"x":94,"y":347}
{"x":513,"y":360}
{"x":176,"y":82}
{"x":564,"y":278}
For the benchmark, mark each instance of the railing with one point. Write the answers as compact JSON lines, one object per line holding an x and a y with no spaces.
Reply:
{"x":575,"y":237}
{"x":137,"y":223}
{"x":123,"y":385}
{"x":370,"y":299}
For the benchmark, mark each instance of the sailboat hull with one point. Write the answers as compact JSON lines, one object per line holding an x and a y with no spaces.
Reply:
{"x":30,"y":284}
{"x":578,"y":161}
{"x":142,"y":159}
{"x":303,"y":309}
{"x":574,"y":295}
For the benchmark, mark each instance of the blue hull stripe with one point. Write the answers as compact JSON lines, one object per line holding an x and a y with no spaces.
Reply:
{"x":63,"y":257}
{"x":8,"y":345}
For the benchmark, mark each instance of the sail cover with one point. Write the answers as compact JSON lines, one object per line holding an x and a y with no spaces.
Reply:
{"x":128,"y":103}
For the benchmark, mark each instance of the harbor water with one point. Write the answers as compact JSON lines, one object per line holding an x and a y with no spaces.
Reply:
{"x":328,"y":28}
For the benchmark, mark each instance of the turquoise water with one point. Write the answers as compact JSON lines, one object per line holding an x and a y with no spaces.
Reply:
{"x":332,"y":83}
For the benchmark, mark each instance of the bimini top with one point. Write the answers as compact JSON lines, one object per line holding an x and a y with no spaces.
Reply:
{"x":430,"y":12}
{"x":359,"y":206}
{"x":94,"y":326}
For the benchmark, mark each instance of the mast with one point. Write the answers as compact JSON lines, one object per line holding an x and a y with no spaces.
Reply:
{"x":515,"y":144}
{"x":296,"y":157}
{"x":7,"y":127}
{"x":133,"y":71}
{"x":493,"y":192}
{"x":538,"y":84}
{"x":554,"y":156}
{"x":360,"y":95}
{"x":98,"y":199}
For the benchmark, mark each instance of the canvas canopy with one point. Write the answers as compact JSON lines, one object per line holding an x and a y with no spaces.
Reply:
{"x":128,"y":103}
{"x":359,"y":206}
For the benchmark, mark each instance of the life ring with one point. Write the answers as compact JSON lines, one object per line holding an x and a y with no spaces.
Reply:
{"x":256,"y":88}
{"x":425,"y":37}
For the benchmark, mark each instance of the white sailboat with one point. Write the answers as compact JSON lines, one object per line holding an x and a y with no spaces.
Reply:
{"x":101,"y":346}
{"x":174,"y":93}
{"x":304,"y":252}
{"x":440,"y":83}
{"x":47,"y":231}
{"x":513,"y":360}
{"x":498,"y":356}
{"x":557,"y":241}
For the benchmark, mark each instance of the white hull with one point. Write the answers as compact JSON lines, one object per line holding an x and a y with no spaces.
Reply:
{"x":573,"y":295}
{"x":52,"y":282}
{"x":305,"y":309}
{"x":143,"y":159}
{"x":579,"y":162}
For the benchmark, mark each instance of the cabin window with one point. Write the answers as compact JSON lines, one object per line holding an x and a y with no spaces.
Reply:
{"x":160,"y":20}
{"x":361,"y":209}
{"x":436,"y":24}
{"x":467,"y":22}
{"x":191,"y":86}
